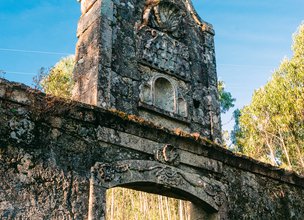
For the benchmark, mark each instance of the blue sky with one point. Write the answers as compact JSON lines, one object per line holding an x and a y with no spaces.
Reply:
{"x":252,"y":37}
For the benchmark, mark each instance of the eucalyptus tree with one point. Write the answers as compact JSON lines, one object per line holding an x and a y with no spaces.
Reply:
{"x":272,"y":126}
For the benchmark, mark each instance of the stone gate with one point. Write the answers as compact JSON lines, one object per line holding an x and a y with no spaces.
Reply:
{"x":148,"y":120}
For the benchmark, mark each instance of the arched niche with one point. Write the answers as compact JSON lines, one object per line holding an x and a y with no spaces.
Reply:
{"x":164,"y":94}
{"x":206,"y":195}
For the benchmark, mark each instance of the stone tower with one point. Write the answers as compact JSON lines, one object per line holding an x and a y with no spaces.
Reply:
{"x":151,"y":58}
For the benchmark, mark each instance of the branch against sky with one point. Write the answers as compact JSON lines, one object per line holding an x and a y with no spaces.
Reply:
{"x":2,"y":74}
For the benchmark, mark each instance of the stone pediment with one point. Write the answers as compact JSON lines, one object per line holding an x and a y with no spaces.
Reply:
{"x":151,"y":58}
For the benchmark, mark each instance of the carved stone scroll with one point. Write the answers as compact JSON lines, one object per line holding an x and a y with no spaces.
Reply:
{"x":130,"y":141}
{"x":136,"y":173}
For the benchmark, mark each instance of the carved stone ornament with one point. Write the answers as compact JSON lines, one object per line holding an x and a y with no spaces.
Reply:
{"x":168,"y":155}
{"x":106,"y":172}
{"x":167,"y":18}
{"x":164,"y":16}
{"x":169,"y":177}
{"x":104,"y":176}
{"x":164,"y":53}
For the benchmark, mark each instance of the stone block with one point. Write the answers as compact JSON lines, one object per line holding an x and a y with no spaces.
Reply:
{"x":20,"y":97}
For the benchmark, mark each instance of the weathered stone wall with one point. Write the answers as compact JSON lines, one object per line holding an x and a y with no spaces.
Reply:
{"x":123,"y":60}
{"x":58,"y":157}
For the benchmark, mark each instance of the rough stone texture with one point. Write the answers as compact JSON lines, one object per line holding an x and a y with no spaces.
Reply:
{"x":58,"y":158}
{"x":126,"y":47}
{"x":153,"y":59}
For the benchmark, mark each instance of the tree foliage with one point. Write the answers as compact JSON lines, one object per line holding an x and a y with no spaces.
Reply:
{"x":123,"y":203}
{"x":272,"y":125}
{"x":236,"y":134}
{"x":226,"y":99}
{"x":59,"y":80}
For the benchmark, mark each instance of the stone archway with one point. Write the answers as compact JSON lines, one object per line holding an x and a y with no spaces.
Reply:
{"x":206,"y":195}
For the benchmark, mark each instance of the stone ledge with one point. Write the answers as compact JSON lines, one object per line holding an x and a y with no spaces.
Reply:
{"x":39,"y":104}
{"x":169,"y":115}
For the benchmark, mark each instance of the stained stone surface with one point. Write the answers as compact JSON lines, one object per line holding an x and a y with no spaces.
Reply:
{"x":125,"y":46}
{"x":148,"y":70}
{"x":58,"y":158}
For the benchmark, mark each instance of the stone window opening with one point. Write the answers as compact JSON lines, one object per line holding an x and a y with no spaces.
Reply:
{"x":164,"y":94}
{"x":161,"y":93}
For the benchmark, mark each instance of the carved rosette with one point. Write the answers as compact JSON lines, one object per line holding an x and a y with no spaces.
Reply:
{"x":168,"y":155}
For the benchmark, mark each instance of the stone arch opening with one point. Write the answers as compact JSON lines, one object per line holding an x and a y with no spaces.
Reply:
{"x":157,"y":178}
{"x":164,"y":94}
{"x":197,"y":209}
{"x":128,"y":203}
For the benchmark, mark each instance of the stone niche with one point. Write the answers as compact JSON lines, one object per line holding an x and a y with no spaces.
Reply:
{"x":153,"y":59}
{"x":162,"y":94}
